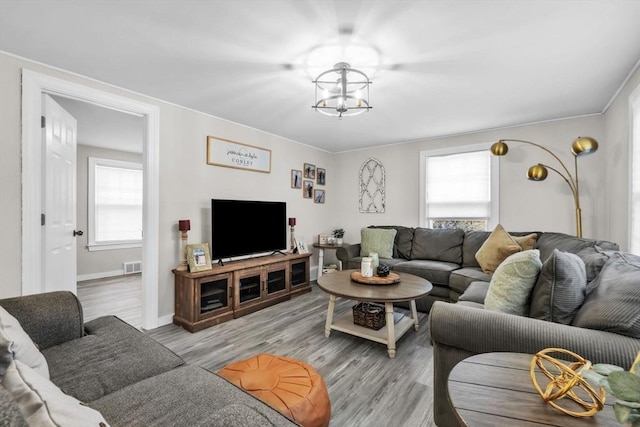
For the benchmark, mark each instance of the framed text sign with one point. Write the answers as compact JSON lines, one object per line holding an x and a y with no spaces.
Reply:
{"x":231,"y":154}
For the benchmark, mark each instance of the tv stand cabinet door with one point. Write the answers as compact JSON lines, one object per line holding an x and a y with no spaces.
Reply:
{"x":247,"y":287}
{"x":276,"y":280}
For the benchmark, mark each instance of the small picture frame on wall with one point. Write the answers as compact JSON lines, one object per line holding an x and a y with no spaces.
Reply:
{"x":318,"y":196}
{"x":296,"y":178}
{"x":198,"y":257}
{"x":322,"y":176}
{"x":301,"y":246}
{"x":309,"y":171}
{"x":307,"y":190}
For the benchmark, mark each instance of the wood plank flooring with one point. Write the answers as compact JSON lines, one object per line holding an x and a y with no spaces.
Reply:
{"x":366,"y":388}
{"x":120,"y":296}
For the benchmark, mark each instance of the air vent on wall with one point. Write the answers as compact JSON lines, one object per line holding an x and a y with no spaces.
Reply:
{"x":132,"y":267}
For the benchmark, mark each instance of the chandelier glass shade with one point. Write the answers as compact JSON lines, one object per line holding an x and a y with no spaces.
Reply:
{"x":342,"y":91}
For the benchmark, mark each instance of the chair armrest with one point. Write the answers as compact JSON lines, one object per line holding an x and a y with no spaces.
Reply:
{"x":458,"y":332}
{"x":345,"y":253}
{"x":49,"y":319}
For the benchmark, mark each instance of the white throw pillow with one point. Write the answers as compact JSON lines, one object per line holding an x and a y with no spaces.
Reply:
{"x":15,"y":344}
{"x":42,"y":403}
{"x":512,"y":283}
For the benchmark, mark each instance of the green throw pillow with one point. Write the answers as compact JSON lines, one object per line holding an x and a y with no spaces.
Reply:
{"x":377,"y":240}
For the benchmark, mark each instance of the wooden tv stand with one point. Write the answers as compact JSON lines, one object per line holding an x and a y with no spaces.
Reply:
{"x":236,"y":288}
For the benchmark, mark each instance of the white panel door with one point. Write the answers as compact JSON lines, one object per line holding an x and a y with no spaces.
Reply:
{"x":59,"y":242}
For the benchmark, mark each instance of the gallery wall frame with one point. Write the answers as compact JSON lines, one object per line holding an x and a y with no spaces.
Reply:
{"x":237,"y":155}
{"x":296,"y":178}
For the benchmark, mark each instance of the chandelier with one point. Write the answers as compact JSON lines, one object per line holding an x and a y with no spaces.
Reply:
{"x":342,"y":91}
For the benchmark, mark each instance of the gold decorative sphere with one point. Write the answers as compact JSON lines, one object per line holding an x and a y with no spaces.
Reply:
{"x":584,"y":145}
{"x":537,"y":173}
{"x":500,"y":148}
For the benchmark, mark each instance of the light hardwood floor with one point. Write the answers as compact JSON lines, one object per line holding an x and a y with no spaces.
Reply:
{"x":366,"y":388}
{"x":120,"y":296}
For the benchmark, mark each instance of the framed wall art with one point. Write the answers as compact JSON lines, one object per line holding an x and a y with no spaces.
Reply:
{"x":231,"y":154}
{"x":322,"y":176}
{"x":296,"y":178}
{"x":307,"y":190}
{"x":198,"y":257}
{"x":309,"y":171}
{"x":318,"y":196}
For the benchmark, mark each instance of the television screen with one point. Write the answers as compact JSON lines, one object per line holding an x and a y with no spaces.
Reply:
{"x":244,"y":227}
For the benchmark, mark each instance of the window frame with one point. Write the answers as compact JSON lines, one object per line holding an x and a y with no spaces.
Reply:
{"x":634,"y":171}
{"x":92,"y":245}
{"x":494,"y":218}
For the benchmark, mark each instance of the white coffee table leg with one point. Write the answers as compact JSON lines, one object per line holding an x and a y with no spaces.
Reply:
{"x":391,"y":330}
{"x":327,"y":326}
{"x":414,"y":314}
{"x":320,"y":261}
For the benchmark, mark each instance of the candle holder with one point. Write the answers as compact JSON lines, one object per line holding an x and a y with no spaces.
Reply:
{"x":294,"y":246}
{"x":184,"y":225}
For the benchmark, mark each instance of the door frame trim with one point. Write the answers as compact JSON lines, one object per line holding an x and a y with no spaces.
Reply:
{"x":33,"y":86}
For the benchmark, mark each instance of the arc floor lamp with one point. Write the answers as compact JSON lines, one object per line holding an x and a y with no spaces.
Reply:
{"x":581,"y":146}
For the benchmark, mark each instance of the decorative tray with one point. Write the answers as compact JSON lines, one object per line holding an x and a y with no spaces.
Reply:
{"x":375,"y":280}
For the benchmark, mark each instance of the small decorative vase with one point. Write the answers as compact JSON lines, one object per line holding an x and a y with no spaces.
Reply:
{"x":366,"y":267}
{"x":339,"y":240}
{"x":383,"y":270}
{"x":376,"y":260}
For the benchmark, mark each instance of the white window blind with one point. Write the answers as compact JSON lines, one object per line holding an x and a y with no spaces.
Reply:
{"x":115,"y":204}
{"x":634,"y":173}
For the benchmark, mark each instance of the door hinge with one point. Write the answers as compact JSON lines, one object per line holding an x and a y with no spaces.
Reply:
{"x":42,"y":219}
{"x":43,"y":122}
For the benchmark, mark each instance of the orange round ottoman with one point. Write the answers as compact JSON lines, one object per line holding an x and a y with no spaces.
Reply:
{"x":288,"y":385}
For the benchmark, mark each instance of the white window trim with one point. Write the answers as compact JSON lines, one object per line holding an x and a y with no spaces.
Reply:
{"x":495,"y":179}
{"x":92,"y":245}
{"x":634,"y":170}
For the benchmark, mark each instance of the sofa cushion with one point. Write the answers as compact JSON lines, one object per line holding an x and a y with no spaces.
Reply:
{"x":403,"y":241}
{"x":460,"y":279}
{"x":560,"y":289}
{"x":547,"y":242}
{"x":511,"y":284}
{"x":476,"y":292}
{"x":613,"y":298}
{"x":437,"y":272}
{"x":439,"y":245}
{"x":356,"y":262}
{"x":526,"y":242}
{"x":498,"y":246}
{"x":44,"y":404}
{"x":15,"y":344}
{"x":377,"y":240}
{"x":594,"y":258}
{"x":473,"y":240}
{"x":112,"y":355}
{"x":187,"y":396}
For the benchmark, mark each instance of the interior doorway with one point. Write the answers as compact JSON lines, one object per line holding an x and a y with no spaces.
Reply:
{"x":34,"y":86}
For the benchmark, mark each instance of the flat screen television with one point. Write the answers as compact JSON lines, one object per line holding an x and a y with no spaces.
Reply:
{"x":245,"y":227}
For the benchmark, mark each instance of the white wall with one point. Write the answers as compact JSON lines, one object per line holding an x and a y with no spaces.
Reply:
{"x":96,"y":264}
{"x":187,"y":183}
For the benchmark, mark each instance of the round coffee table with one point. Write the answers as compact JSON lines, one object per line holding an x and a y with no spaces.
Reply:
{"x":410,"y":288}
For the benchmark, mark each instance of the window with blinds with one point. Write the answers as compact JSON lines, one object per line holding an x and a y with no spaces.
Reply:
{"x":634,"y":173}
{"x":460,"y":188}
{"x":115,"y":204}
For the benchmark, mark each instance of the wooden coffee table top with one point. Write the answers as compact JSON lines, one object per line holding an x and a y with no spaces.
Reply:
{"x":340,"y":284}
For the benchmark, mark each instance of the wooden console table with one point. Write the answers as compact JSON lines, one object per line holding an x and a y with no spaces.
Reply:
{"x":206,"y":298}
{"x":495,"y":389}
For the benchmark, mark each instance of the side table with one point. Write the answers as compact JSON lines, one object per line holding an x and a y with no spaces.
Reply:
{"x":321,"y":248}
{"x":495,"y":389}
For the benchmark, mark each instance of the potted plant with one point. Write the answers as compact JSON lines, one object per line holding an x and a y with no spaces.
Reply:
{"x":338,"y":233}
{"x":623,"y":385}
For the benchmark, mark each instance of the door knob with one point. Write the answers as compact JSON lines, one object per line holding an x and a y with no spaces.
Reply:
{"x":77,"y":233}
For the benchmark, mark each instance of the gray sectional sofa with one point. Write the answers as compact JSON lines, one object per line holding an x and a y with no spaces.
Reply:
{"x":129,"y":378}
{"x":446,"y":257}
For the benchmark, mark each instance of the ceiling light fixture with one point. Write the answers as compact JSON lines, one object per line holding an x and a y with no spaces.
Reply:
{"x":342,"y":91}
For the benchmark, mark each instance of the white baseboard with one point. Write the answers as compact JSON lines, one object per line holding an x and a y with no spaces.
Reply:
{"x":102,"y":275}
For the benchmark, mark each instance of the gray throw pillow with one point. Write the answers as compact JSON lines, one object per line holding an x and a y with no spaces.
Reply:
{"x":511,"y":284}
{"x":613,"y":298}
{"x":560,"y":289}
{"x":594,"y":258}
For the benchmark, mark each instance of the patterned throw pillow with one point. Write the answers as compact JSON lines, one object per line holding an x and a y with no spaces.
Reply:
{"x":377,"y":240}
{"x":511,"y":284}
{"x":560,"y":289}
{"x":498,"y":246}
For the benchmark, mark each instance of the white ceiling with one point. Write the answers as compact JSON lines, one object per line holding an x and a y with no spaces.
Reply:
{"x":445,"y":67}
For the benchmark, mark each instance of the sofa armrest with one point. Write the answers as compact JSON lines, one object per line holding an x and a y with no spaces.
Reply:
{"x":458,"y":332}
{"x":345,"y":253}
{"x":50,"y":318}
